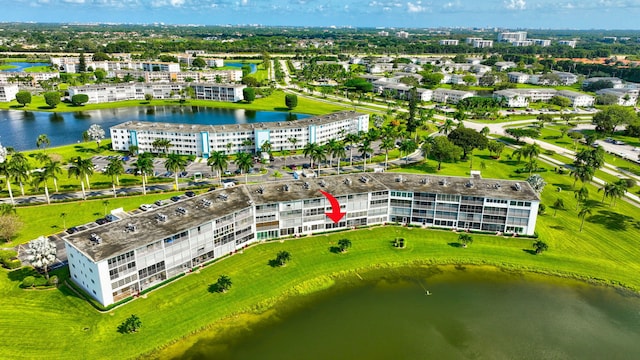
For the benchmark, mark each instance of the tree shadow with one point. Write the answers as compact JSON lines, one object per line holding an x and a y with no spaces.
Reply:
{"x":21,"y":273}
{"x":611,"y":220}
{"x":455,"y":244}
{"x":17,"y":106}
{"x":564,"y":187}
{"x":460,"y":267}
{"x":557,"y":227}
{"x":46,"y":107}
{"x":214,"y":288}
{"x":281,"y":108}
{"x":274,"y":263}
{"x":529,"y":251}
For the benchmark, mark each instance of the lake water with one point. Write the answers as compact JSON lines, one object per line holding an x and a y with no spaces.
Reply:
{"x":21,"y":66}
{"x":20,"y":129}
{"x":253,"y":66}
{"x":469,"y":315}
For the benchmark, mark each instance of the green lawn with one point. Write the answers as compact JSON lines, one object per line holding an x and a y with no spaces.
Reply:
{"x":605,"y":251}
{"x":7,"y":67}
{"x":38,"y":69}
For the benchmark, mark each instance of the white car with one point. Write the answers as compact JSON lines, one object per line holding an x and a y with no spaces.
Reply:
{"x":145,"y":207}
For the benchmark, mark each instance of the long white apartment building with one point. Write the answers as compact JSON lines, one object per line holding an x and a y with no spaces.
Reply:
{"x":216,"y":76}
{"x":450,"y":96}
{"x":26,"y":78}
{"x":102,"y":93}
{"x":511,"y":98}
{"x":448,"y":42}
{"x":114,"y":261}
{"x":577,"y":99}
{"x":201,"y":140}
{"x":625,"y":97}
{"x":512,"y":36}
{"x":8,"y":92}
{"x":72,"y":65}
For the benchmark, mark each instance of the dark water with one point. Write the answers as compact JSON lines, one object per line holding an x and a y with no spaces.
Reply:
{"x":21,"y":66}
{"x":20,"y":129}
{"x":469,"y":315}
{"x":253,"y":66}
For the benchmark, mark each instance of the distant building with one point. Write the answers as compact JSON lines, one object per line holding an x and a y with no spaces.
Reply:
{"x":512,"y":36}
{"x":448,"y":42}
{"x":102,"y":93}
{"x":482,"y":43}
{"x":615,"y":82}
{"x":402,"y":34}
{"x":518,"y":77}
{"x":511,"y":98}
{"x":571,"y":43}
{"x":625,"y":97}
{"x":504,"y":65}
{"x":522,"y":43}
{"x":541,"y":42}
{"x":450,"y":96}
{"x":566,"y":78}
{"x":8,"y":92}
{"x":577,"y":99}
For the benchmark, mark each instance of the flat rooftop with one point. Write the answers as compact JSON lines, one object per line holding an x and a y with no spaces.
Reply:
{"x":118,"y":237}
{"x":188,"y":128}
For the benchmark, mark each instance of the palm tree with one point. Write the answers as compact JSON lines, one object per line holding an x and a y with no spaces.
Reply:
{"x":244,"y":162}
{"x":344,"y":244}
{"x":81,"y":168}
{"x":43,"y":140}
{"x":339,"y":152}
{"x":266,"y":147}
{"x":540,"y":246}
{"x":365,"y":150}
{"x":584,"y":211}
{"x":219,"y":161}
{"x":224,"y":283}
{"x":330,"y":146}
{"x":309,"y":150}
{"x":559,"y":204}
{"x":40,"y":177}
{"x":285,"y":154}
{"x":351,"y":139}
{"x":387,"y":144}
{"x":52,"y":169}
{"x":105,"y":203}
{"x":293,"y":142}
{"x":63,"y":216}
{"x":582,"y":172}
{"x":408,"y":146}
{"x":142,"y":166}
{"x":115,"y":168}
{"x":19,"y":169}
{"x":607,"y":190}
{"x":283,"y":257}
{"x":465,"y":239}
{"x":5,"y":170}
{"x":618,"y":191}
{"x":161,"y":143}
{"x":581,"y":195}
{"x":446,"y":126}
{"x":175,"y":163}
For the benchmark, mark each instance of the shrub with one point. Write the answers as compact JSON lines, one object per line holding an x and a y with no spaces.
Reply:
{"x":12,"y":263}
{"x":28,"y":282}
{"x":541,"y":209}
{"x":53,"y":280}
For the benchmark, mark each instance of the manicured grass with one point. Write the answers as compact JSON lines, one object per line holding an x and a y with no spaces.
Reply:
{"x":7,"y":67}
{"x":38,"y":69}
{"x":275,"y":102}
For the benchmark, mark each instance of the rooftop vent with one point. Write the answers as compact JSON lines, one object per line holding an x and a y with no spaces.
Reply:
{"x":223,"y":197}
{"x":260,"y":190}
{"x":161,"y":217}
{"x":285,"y":187}
{"x":347,"y":181}
{"x":306,"y":185}
{"x":364,"y":179}
{"x":322,"y":183}
{"x":130,"y":227}
{"x":497,"y":186}
{"x":95,"y":238}
{"x":206,"y":202}
{"x":181,"y":210}
{"x":469,"y":184}
{"x":517,"y":187}
{"x":443,"y":182}
{"x":424,"y":180}
{"x":399,"y":179}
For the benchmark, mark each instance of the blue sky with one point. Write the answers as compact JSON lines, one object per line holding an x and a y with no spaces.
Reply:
{"x":557,"y":14}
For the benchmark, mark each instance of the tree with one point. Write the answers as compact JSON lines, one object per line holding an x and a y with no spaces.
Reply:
{"x":581,"y":195}
{"x":249,"y":94}
{"x":387,"y":143}
{"x":42,"y":253}
{"x":412,"y":121}
{"x":539,"y":246}
{"x":115,"y":168}
{"x":593,"y":157}
{"x":495,"y":147}
{"x":467,"y":139}
{"x":81,"y":169}
{"x":444,"y":150}
{"x":291,"y":101}
{"x":10,"y":224}
{"x":199,"y":63}
{"x":176,"y":164}
{"x":19,"y":170}
{"x":43,"y":140}
{"x":244,"y":162}
{"x":79,"y":99}
{"x":465,"y":239}
{"x":520,"y":133}
{"x":148,"y":97}
{"x":446,"y":126}
{"x":130,"y":325}
{"x":219,"y":161}
{"x":584,"y":211}
{"x":612,"y":116}
{"x":224,"y":283}
{"x":344,"y":244}
{"x":558,"y":205}
{"x":561,"y":101}
{"x":293,"y":142}
{"x":407,"y":146}
{"x":96,"y":133}
{"x":576,"y":136}
{"x":143,"y":166}
{"x":469,"y":80}
{"x":283,"y":257}
{"x":365,"y":150}
{"x":82,"y":63}
{"x":23,"y":97}
{"x":351,"y":139}
{"x":537,"y":182}
{"x":52,"y":98}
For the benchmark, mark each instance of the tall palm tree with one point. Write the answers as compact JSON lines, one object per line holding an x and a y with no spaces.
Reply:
{"x":6,"y":171}
{"x":63,"y":216}
{"x":142,"y":166}
{"x":244,"y":162}
{"x":309,"y":150}
{"x":408,"y":146}
{"x":351,"y":139}
{"x":387,"y":144}
{"x":40,"y":177}
{"x":618,"y":191}
{"x":293,"y":142}
{"x":582,"y":172}
{"x":81,"y":168}
{"x":339,"y":152}
{"x":43,"y":140}
{"x":319,"y":155}
{"x":115,"y":168}
{"x":20,"y":169}
{"x":285,"y":154}
{"x":266,"y":147}
{"x":365,"y":150}
{"x":584,"y":211}
{"x":446,"y":126}
{"x":175,"y":163}
{"x":581,"y":195}
{"x":607,"y":190}
{"x":219,"y":161}
{"x":330,"y":146}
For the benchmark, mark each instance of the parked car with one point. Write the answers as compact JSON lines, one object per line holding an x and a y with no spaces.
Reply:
{"x":227,"y":172}
{"x":145,"y":207}
{"x":190,"y":193}
{"x":159,"y":203}
{"x":293,"y":167}
{"x":111,"y":218}
{"x":238,"y":171}
{"x":175,"y":198}
{"x":72,"y":230}
{"x":101,"y":221}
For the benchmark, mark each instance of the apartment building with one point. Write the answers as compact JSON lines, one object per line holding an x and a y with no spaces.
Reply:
{"x":480,"y":43}
{"x":450,"y":96}
{"x":219,"y":92}
{"x":512,"y":36}
{"x":218,"y":76}
{"x":541,"y":42}
{"x":119,"y":259}
{"x":625,"y":97}
{"x":26,"y":78}
{"x":577,"y":99}
{"x":518,"y":77}
{"x":616,"y":83}
{"x":448,"y":42}
{"x":102,"y":93}
{"x":535,"y":95}
{"x":571,"y":43}
{"x":511,"y":98}
{"x":200,"y":140}
{"x":8,"y":92}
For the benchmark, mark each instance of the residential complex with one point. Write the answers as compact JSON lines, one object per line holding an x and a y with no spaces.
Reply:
{"x":522,"y":97}
{"x":120,"y":259}
{"x":450,"y":96}
{"x":102,"y":93}
{"x":201,"y":140}
{"x":8,"y":92}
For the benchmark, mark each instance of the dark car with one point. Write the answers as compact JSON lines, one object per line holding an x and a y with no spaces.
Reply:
{"x":238,"y":171}
{"x":102,"y":221}
{"x":306,"y":166}
{"x":293,"y":167}
{"x":175,"y":198}
{"x":72,"y":230}
{"x":190,"y":194}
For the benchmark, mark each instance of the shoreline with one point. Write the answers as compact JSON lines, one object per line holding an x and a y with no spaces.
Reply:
{"x":267,"y":308}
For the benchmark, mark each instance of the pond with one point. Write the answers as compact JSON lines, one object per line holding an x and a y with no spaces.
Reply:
{"x":253,"y":66}
{"x":20,"y":129}
{"x":471,"y":313}
{"x":21,"y":66}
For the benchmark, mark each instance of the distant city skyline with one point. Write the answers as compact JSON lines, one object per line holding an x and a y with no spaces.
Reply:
{"x":550,"y":14}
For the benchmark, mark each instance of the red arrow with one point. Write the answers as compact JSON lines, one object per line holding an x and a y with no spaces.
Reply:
{"x":335,"y":213}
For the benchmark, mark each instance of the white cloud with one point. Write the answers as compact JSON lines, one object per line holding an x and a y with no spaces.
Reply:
{"x":515,"y":4}
{"x":416,"y":8}
{"x":74,"y":1}
{"x":177,"y":3}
